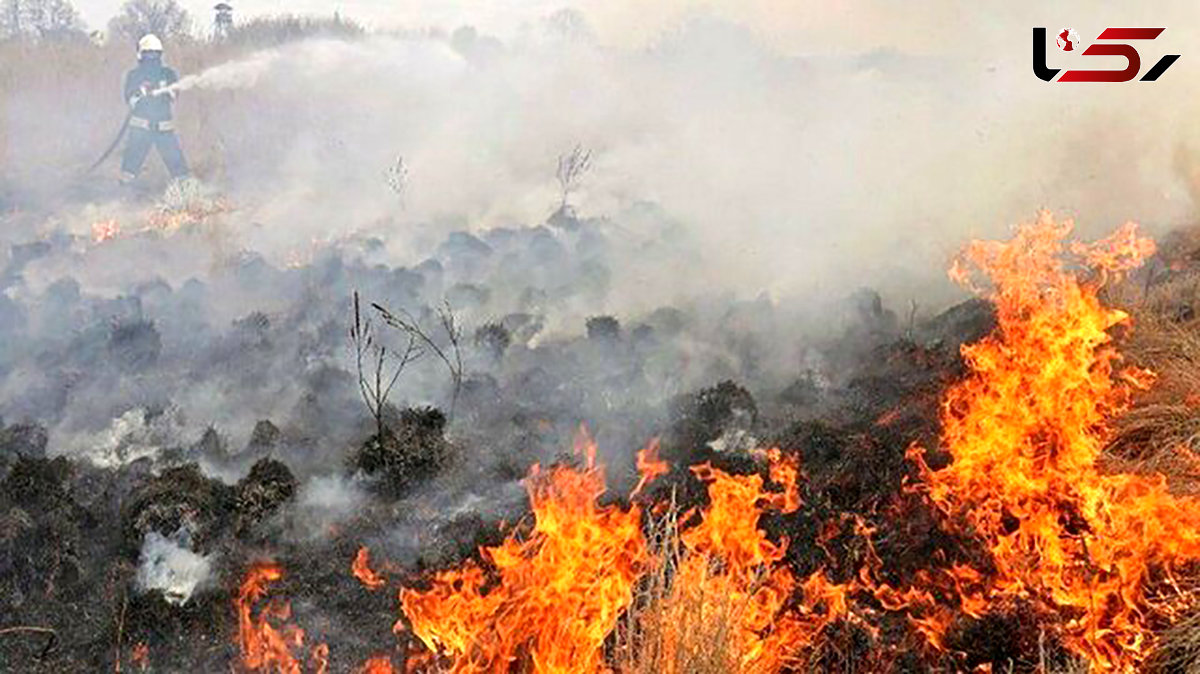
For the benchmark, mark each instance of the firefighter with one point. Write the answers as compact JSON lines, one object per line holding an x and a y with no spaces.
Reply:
{"x":150,"y":122}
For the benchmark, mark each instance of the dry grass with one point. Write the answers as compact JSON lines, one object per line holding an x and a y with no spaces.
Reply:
{"x":666,"y":632}
{"x":61,"y":104}
{"x":675,"y":632}
{"x":1161,"y":431}
{"x":671,"y":632}
{"x":1180,"y":651}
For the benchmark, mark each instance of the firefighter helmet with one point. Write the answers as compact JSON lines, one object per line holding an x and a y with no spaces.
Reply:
{"x":149,"y":42}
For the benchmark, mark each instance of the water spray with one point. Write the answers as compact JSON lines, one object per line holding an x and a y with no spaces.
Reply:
{"x":240,"y":74}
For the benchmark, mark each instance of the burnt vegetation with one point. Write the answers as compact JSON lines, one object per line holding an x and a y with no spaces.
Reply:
{"x":162,"y":438}
{"x":73,"y":532}
{"x":516,"y":405}
{"x":75,"y":535}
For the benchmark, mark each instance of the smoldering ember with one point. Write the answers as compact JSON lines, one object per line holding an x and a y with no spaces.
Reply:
{"x":632,"y":338}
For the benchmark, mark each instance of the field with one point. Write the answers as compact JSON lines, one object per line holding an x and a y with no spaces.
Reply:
{"x":406,"y":379}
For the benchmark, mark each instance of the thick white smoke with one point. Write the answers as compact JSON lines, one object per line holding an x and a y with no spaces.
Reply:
{"x":168,"y":565}
{"x":790,"y":174}
{"x":789,"y":166}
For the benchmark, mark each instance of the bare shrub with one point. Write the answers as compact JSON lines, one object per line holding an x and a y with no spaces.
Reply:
{"x":396,"y":177}
{"x":447,"y":347}
{"x":493,"y":338}
{"x":572,"y":166}
{"x":378,"y":369}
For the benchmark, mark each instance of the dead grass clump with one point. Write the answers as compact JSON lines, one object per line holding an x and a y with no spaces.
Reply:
{"x":671,"y":632}
{"x":697,"y":612}
{"x":1179,"y":652}
{"x":1161,"y":431}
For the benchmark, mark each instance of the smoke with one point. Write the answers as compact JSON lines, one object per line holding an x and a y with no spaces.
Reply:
{"x":168,"y":565}
{"x":741,"y":189}
{"x":791,"y":174}
{"x":312,"y":60}
{"x":326,"y":500}
{"x":788,"y":169}
{"x":744,"y":187}
{"x":134,"y":435}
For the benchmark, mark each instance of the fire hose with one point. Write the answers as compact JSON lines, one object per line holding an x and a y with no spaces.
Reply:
{"x":115,"y":142}
{"x":121,"y":132}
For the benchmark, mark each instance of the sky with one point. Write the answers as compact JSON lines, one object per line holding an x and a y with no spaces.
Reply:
{"x":828,"y":26}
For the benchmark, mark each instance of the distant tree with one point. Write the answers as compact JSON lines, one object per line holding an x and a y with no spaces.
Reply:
{"x":268,"y":31}
{"x":571,"y":25}
{"x":40,"y":20}
{"x":165,"y":18}
{"x":396,"y":176}
{"x":571,"y":168}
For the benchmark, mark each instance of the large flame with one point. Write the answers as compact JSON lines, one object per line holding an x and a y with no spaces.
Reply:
{"x":545,"y":601}
{"x":1026,"y":430}
{"x":549,"y":601}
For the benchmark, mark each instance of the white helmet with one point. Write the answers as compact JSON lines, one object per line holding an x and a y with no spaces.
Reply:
{"x":149,"y":42}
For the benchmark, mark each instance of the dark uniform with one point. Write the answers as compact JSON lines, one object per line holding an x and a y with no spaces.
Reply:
{"x":151,"y":124}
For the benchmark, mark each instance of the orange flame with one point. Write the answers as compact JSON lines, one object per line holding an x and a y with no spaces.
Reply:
{"x":1098,"y":555}
{"x":548,"y":602}
{"x":377,"y":665}
{"x":554,"y":595}
{"x":649,"y":466}
{"x":361,"y":568}
{"x":104,"y":230}
{"x":1026,"y":430}
{"x":265,"y":647}
{"x":728,"y":559}
{"x":319,"y":657}
{"x":139,"y":657}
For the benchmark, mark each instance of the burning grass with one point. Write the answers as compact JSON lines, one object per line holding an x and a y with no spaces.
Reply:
{"x":1048,"y":527}
{"x":1099,"y":559}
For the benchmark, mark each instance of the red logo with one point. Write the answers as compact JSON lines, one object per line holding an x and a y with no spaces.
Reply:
{"x":1068,"y":39}
{"x":1113,"y":45}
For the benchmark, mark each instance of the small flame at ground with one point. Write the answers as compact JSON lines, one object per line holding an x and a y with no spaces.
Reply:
{"x":265,"y":647}
{"x":104,"y":230}
{"x":140,"y":657}
{"x":380,"y":665}
{"x":649,"y":466}
{"x":361,"y":568}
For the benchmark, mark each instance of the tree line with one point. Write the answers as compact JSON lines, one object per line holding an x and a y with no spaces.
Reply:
{"x":58,"y":20}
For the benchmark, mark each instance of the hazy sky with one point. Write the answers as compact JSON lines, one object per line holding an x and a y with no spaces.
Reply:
{"x":932,"y":26}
